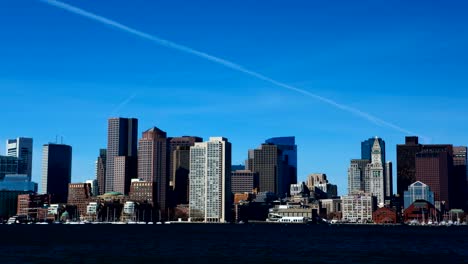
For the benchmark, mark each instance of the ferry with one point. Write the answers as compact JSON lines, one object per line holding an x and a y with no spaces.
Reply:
{"x":274,"y":218}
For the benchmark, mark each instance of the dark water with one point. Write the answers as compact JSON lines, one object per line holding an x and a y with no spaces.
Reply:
{"x":260,"y":243}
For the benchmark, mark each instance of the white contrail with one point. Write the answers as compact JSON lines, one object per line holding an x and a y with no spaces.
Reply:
{"x":123,"y":104}
{"x":221,"y":61}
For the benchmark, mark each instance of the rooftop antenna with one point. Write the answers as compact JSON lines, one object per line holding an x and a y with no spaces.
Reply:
{"x":56,"y":139}
{"x":61,"y":138}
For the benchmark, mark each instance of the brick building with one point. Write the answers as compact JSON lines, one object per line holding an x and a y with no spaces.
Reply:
{"x":384,"y":215}
{"x":79,"y":194}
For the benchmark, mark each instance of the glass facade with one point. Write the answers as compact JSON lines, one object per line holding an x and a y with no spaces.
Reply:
{"x":18,"y":182}
{"x":8,"y":165}
{"x":418,"y":191}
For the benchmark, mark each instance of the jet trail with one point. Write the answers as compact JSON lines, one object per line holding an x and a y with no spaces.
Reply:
{"x":226,"y":63}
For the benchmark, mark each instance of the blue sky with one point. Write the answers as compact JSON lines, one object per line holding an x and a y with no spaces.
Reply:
{"x":402,"y":61}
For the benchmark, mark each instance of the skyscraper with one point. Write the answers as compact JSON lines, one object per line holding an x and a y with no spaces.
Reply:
{"x":374,"y":176}
{"x":366,"y":153}
{"x":153,"y":165}
{"x":366,"y":148}
{"x":356,"y":174}
{"x":434,"y":167}
{"x":101,"y":171}
{"x":272,"y":167}
{"x":124,"y":172}
{"x":318,"y":183}
{"x":121,"y":141}
{"x":180,"y":166}
{"x":56,"y":170}
{"x":210,"y":179}
{"x":8,"y":165}
{"x":288,"y":148}
{"x":460,"y":172}
{"x":183,"y":144}
{"x":388,"y":179}
{"x":21,"y":148}
{"x":406,"y":163}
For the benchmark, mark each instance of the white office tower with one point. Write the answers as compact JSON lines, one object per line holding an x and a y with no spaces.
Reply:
{"x":210,"y":181}
{"x":374,"y":177}
{"x":21,"y":148}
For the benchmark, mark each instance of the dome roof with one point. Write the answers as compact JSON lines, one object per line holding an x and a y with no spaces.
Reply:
{"x":109,"y":194}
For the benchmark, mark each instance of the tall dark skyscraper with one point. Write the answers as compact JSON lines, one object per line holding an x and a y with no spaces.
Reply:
{"x":288,"y":148}
{"x":101,"y":170}
{"x":21,"y":148}
{"x":460,"y":172}
{"x":122,"y":138}
{"x":56,"y":170}
{"x":153,"y":165}
{"x":406,"y":163}
{"x":434,"y":167}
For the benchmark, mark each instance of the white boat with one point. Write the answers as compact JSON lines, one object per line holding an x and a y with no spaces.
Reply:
{"x":292,"y":219}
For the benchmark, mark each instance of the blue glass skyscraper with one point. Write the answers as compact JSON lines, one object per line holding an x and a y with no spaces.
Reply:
{"x":288,"y":148}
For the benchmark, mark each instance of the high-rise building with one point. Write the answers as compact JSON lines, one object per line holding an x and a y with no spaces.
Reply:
{"x":8,"y":165}
{"x":183,"y":144}
{"x":418,"y":191}
{"x":56,"y":170}
{"x":366,"y":148}
{"x":374,"y":176}
{"x":356,"y":174}
{"x":366,"y":153}
{"x":316,"y":178}
{"x":180,"y":166}
{"x":122,"y":140}
{"x":210,"y":179}
{"x":101,"y":171}
{"x":276,"y":171}
{"x":288,"y":148}
{"x":460,"y":173}
{"x":79,"y":194}
{"x":244,"y":181}
{"x":153,"y":163}
{"x":406,"y":163}
{"x":21,"y":148}
{"x":94,"y":187}
{"x":318,"y":183}
{"x":124,"y":172}
{"x":434,"y":167}
{"x":388,"y":179}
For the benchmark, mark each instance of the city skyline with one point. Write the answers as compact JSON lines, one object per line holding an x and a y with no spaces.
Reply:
{"x":387,"y":75}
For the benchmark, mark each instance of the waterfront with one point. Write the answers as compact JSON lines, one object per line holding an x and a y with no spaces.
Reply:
{"x":261,"y":243}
